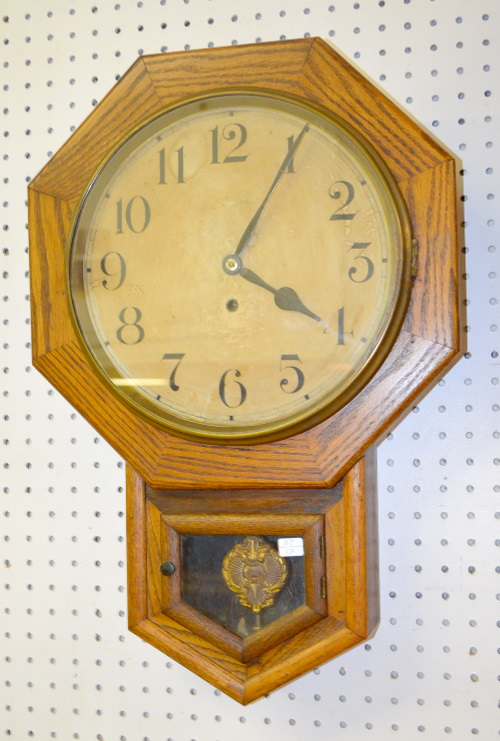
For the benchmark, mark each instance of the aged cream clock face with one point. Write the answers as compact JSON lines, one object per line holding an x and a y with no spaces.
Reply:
{"x":239,"y":268}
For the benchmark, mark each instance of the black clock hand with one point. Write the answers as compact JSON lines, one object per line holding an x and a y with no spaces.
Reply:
{"x":285,"y":298}
{"x":247,"y":234}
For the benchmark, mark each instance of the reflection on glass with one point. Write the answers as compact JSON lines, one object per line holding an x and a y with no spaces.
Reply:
{"x":240,"y":581}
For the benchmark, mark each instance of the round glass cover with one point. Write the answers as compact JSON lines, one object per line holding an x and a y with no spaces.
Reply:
{"x":239,"y":267}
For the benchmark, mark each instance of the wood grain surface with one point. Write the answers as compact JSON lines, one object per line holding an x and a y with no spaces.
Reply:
{"x":427,"y":346}
{"x":315,"y":482}
{"x":322,"y":628}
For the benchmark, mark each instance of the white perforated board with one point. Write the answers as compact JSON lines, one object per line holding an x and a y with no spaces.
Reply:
{"x":69,"y":668}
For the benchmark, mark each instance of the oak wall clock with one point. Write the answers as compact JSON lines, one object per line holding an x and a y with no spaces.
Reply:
{"x":244,"y":271}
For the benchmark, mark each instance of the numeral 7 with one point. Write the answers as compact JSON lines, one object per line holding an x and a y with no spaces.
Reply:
{"x":173,"y":356}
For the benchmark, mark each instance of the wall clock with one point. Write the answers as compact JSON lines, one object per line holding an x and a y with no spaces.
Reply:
{"x":244,"y":271}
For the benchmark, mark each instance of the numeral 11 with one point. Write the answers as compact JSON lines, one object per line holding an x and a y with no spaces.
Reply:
{"x":180,"y":166}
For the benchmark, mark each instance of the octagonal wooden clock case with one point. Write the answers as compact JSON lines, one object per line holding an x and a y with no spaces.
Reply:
{"x":244,"y":271}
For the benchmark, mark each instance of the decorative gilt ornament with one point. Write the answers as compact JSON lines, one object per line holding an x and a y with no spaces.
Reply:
{"x":255,"y":571}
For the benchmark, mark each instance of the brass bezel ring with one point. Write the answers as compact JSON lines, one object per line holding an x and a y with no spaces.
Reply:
{"x":327,"y":404}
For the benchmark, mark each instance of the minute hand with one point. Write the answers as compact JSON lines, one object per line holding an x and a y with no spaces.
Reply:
{"x":255,"y":219}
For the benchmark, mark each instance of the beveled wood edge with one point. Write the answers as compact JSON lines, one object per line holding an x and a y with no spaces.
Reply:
{"x":280,"y":630}
{"x":244,"y":683}
{"x":199,"y":624}
{"x":431,"y":361}
{"x":302,"y":466}
{"x":431,"y":196}
{"x":99,"y":132}
{"x":180,"y":76}
{"x":242,"y":524}
{"x":136,"y":547}
{"x":300,"y":67}
{"x":395,"y":105}
{"x":395,"y":134}
{"x":372,"y":599}
{"x":228,"y":676}
{"x":246,"y":649}
{"x":144,"y":78}
{"x":171,"y":586}
{"x":335,"y":560}
{"x":243,"y":501}
{"x":309,"y":526}
{"x":155,"y":547}
{"x":116,"y":424}
{"x":361,"y":545}
{"x":319,"y":643}
{"x":315,"y":565}
{"x":49,"y":218}
{"x":351,"y":529}
{"x":159,"y":79}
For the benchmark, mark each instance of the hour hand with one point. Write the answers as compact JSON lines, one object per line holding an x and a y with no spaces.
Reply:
{"x":285,"y":298}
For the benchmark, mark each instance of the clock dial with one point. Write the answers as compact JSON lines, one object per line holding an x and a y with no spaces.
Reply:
{"x":240,"y":267}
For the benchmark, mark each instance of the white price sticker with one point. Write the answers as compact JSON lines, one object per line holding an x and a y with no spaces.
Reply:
{"x":290,"y":547}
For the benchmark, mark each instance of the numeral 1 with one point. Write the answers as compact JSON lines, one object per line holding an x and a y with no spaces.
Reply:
{"x":290,"y":141}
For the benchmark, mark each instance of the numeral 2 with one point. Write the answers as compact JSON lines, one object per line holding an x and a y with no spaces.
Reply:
{"x":344,"y":195}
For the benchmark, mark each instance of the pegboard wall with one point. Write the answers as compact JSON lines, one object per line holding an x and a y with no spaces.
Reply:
{"x":69,"y":668}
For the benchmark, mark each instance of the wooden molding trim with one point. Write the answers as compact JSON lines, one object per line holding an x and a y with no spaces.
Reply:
{"x":290,"y":647}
